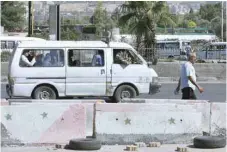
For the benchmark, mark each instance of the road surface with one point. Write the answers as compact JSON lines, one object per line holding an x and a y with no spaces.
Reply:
{"x":215,"y":92}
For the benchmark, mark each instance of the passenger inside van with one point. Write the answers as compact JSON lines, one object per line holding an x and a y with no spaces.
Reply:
{"x":47,"y":60}
{"x":72,"y":61}
{"x":53,"y":55}
{"x":25,"y":60}
{"x":98,"y":59}
{"x":39,"y":60}
{"x":122,"y":57}
{"x":30,"y":56}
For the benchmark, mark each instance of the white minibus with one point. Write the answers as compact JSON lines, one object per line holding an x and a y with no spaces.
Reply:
{"x":58,"y":69}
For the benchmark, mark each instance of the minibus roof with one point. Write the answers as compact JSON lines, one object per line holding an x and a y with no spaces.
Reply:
{"x":72,"y":44}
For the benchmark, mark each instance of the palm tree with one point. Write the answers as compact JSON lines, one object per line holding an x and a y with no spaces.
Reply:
{"x":143,"y":16}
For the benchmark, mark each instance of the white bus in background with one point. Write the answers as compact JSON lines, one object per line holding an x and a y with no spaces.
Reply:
{"x":9,"y":42}
{"x":213,"y":50}
{"x":167,"y":45}
{"x":171,"y":48}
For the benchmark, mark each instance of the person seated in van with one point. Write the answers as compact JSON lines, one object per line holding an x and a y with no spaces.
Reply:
{"x":54,"y":61}
{"x":47,"y":60}
{"x":53,"y":55}
{"x":61,"y":58}
{"x":25,"y":60}
{"x":122,"y":57}
{"x":30,"y":55}
{"x":39,"y":60}
{"x":97,"y":59}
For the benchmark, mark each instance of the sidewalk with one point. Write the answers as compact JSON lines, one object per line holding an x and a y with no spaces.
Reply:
{"x":117,"y":148}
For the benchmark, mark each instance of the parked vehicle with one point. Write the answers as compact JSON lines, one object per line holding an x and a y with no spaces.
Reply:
{"x":213,"y":50}
{"x":171,"y":48}
{"x":9,"y":42}
{"x":79,"y":69}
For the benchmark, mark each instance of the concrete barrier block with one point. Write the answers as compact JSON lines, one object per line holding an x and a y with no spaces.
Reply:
{"x":43,"y":123}
{"x":218,"y":118}
{"x":127,"y":123}
{"x":4,"y":102}
{"x":88,"y":103}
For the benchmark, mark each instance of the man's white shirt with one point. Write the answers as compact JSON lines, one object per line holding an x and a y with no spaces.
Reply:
{"x":187,"y":69}
{"x":27,"y":62}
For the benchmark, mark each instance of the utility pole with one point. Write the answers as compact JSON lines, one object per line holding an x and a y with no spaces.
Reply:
{"x":54,"y":22}
{"x":222,"y":25}
{"x":30,"y":19}
{"x":58,"y":22}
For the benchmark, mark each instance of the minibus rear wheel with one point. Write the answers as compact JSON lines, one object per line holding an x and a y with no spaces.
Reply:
{"x":44,"y":93}
{"x":124,"y":91}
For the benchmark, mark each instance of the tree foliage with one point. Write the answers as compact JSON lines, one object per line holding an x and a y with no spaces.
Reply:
{"x":12,"y":15}
{"x":210,"y":11}
{"x":102,"y":20}
{"x":142,"y":18}
{"x":191,"y":24}
{"x":69,"y":34}
{"x":208,"y":16}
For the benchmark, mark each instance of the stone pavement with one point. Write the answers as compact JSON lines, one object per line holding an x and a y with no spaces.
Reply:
{"x":116,"y":148}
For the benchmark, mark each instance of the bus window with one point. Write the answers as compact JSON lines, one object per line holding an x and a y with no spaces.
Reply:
{"x":3,"y":45}
{"x":11,"y":44}
{"x":221,"y":47}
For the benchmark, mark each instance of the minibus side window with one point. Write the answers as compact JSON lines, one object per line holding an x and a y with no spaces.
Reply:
{"x":42,"y":58}
{"x":124,"y":56}
{"x":85,"y":58}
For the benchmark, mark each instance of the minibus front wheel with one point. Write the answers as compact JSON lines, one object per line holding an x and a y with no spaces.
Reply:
{"x":124,"y":91}
{"x":44,"y":92}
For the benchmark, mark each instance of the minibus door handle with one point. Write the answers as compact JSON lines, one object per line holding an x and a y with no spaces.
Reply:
{"x":102,"y":71}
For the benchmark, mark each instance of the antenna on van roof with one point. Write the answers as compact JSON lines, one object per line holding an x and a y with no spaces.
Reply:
{"x":106,"y":35}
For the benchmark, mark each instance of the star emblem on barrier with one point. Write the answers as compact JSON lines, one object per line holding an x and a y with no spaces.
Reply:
{"x":8,"y":117}
{"x":171,"y":121}
{"x":44,"y":114}
{"x":128,"y":121}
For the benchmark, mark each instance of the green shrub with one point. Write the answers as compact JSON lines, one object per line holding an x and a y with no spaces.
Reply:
{"x":166,"y":60}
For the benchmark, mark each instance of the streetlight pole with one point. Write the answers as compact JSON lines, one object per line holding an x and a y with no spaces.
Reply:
{"x":30,"y":19}
{"x":58,"y":22}
{"x":54,"y":21}
{"x":222,"y":11}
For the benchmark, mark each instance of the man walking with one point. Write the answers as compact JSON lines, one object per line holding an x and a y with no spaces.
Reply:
{"x":187,"y":79}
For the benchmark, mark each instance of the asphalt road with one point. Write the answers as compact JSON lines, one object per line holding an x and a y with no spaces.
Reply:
{"x":215,"y":92}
